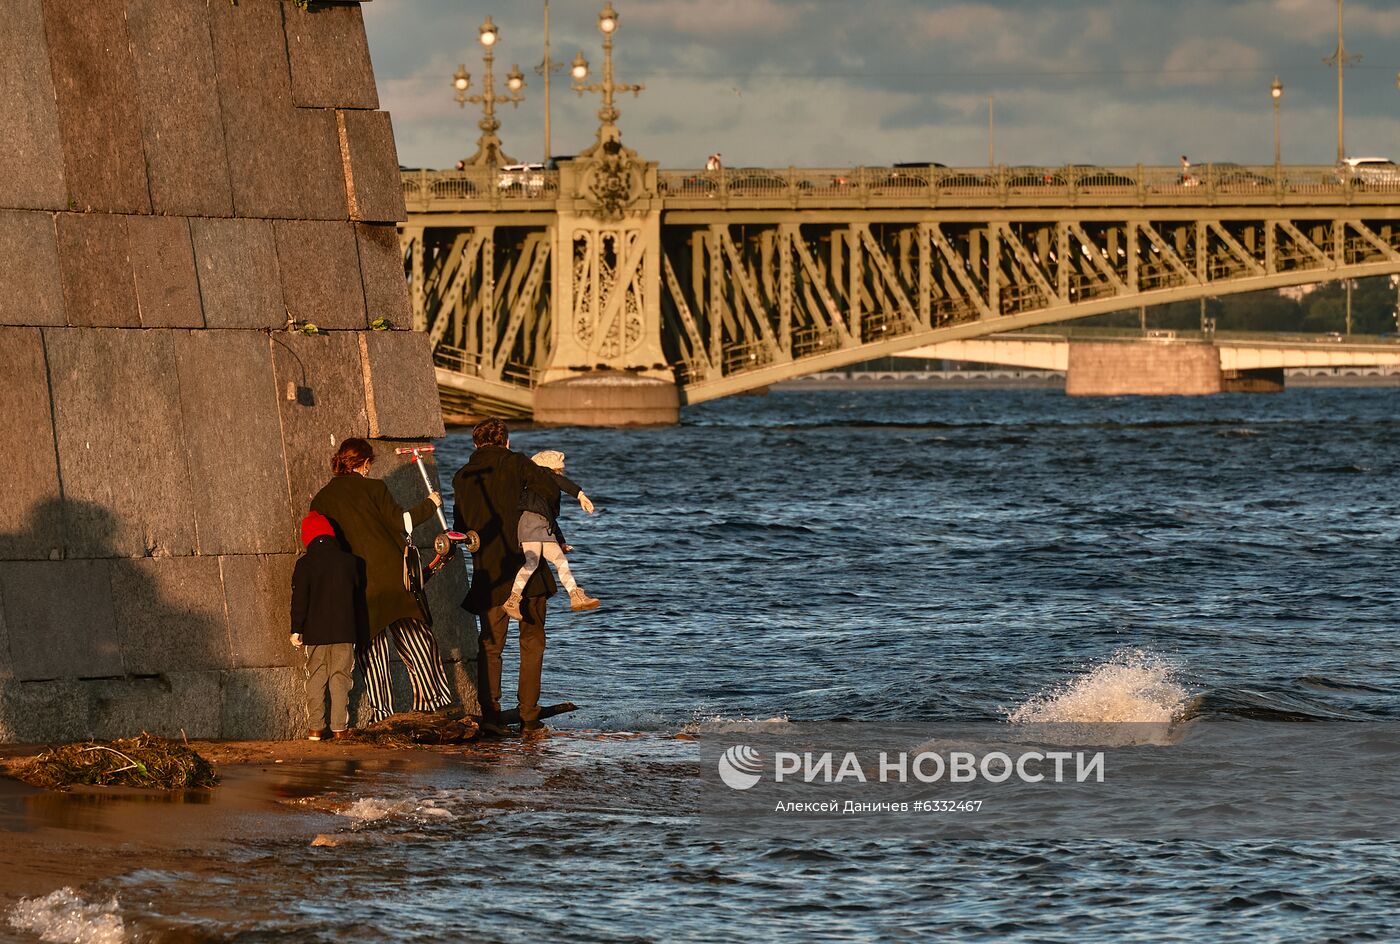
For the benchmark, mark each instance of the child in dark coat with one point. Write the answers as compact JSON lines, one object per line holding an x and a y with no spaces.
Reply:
{"x":539,"y":533}
{"x":327,"y":612}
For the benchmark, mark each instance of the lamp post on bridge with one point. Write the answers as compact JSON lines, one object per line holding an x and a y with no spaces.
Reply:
{"x":488,"y":146}
{"x":1341,"y":59}
{"x":608,"y":114}
{"x":1276,"y":92}
{"x":547,"y":67}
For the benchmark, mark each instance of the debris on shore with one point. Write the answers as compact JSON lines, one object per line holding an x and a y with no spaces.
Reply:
{"x":143,"y":761}
{"x":411,"y":730}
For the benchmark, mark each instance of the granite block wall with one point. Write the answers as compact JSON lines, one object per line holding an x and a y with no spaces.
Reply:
{"x":178,"y":179}
{"x":1144,"y":368}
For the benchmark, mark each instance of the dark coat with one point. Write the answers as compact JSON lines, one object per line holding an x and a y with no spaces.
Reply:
{"x":486,"y":495}
{"x":328,"y":601}
{"x":541,"y":495}
{"x":370,"y":523}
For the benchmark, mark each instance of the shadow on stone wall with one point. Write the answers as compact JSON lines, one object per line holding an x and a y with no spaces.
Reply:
{"x":109,"y":646}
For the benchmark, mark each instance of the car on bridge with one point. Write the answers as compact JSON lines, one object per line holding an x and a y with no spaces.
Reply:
{"x":756,"y":182}
{"x":1094,"y":179}
{"x":1375,"y":173}
{"x":904,"y":177}
{"x":517,"y":179}
{"x":962,"y":180}
{"x":1034,"y":178}
{"x":1230,"y":177}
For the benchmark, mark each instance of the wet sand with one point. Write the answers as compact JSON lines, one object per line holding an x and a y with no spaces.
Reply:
{"x":267,"y":790}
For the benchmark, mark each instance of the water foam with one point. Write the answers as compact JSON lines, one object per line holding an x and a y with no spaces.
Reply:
{"x":62,"y":917}
{"x":1131,"y":685}
{"x":370,"y":809}
{"x":703,"y":722}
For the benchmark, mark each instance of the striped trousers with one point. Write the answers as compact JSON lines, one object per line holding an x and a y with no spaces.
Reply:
{"x":418,"y":650}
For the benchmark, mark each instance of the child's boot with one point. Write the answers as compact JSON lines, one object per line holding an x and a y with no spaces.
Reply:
{"x":512,"y":606}
{"x":578,"y":600}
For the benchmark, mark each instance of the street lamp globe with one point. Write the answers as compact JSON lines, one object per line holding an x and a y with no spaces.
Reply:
{"x":580,"y":68}
{"x":1276,"y":90}
{"x":607,"y":19}
{"x":515,"y":81}
{"x":460,"y":79}
{"x":489,"y":33}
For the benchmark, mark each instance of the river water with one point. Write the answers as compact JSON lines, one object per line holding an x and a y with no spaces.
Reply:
{"x":826,"y":557}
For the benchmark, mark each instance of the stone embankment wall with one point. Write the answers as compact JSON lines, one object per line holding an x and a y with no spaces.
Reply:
{"x":177,"y":178}
{"x":1150,"y":368}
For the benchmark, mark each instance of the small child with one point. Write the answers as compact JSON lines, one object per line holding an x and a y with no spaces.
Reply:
{"x":327,"y":587}
{"x":539,"y":533}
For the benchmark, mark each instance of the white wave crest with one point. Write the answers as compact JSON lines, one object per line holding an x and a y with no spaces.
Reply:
{"x":62,"y":917}
{"x":1132,"y":685}
{"x":705,"y":723}
{"x":369,"y":809}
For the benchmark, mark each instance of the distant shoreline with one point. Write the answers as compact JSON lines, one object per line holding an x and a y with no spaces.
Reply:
{"x":1054,"y":382}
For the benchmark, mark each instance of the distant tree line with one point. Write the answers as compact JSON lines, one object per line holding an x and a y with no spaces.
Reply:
{"x":1373,"y":311}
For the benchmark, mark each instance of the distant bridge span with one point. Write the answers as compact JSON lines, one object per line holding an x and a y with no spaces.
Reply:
{"x":1260,"y":352}
{"x":728,"y":281}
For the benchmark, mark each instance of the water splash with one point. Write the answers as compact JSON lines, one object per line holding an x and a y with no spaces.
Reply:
{"x":707,"y":722}
{"x":371,"y":809}
{"x":61,"y":917}
{"x":1131,"y":685}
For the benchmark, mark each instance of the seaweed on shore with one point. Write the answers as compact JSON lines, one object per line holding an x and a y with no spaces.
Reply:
{"x":404,"y":731}
{"x":144,"y":761}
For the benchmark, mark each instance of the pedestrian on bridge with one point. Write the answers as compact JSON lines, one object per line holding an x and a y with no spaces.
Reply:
{"x":715,"y":162}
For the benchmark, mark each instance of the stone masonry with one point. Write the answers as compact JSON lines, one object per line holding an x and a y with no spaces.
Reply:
{"x":1147,"y":368}
{"x":178,"y":178}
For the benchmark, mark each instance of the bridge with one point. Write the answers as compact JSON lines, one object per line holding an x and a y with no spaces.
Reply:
{"x":536,"y":287}
{"x":1109,"y":363}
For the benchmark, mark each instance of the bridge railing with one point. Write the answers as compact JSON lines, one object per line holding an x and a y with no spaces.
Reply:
{"x":488,"y":188}
{"x":491,"y":187}
{"x":470,"y":364}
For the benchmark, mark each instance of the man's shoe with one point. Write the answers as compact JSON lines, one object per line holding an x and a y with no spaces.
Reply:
{"x":315,"y":735}
{"x":512,"y":606}
{"x":533,"y":727}
{"x":345,"y":735}
{"x":578,"y":600}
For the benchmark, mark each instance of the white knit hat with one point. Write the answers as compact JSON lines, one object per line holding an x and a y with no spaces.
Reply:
{"x":550,"y":459}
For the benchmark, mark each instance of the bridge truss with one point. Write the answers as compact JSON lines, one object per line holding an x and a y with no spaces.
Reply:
{"x":768,"y":276}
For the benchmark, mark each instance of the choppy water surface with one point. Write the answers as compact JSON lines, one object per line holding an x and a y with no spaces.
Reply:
{"x":914,"y":555}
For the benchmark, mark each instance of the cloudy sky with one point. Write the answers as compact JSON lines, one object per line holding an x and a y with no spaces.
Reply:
{"x":828,"y":83}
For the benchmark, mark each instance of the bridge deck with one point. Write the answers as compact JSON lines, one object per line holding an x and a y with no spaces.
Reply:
{"x":477,"y":189}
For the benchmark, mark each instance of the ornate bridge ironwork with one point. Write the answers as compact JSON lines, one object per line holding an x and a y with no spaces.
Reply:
{"x":731,"y":280}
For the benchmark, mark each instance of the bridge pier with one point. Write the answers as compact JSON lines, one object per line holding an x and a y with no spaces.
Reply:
{"x":1143,"y":368}
{"x":608,"y":398}
{"x":1258,"y":380}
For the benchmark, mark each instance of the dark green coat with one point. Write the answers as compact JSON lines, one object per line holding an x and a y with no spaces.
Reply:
{"x":370,"y":522}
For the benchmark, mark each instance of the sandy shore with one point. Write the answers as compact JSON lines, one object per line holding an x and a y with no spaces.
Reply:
{"x":267,"y":790}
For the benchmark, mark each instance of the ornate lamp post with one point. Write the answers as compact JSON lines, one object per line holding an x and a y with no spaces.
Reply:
{"x":488,"y":146}
{"x":1341,"y":59}
{"x":1276,"y":92}
{"x":546,"y":69}
{"x":608,"y":114}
